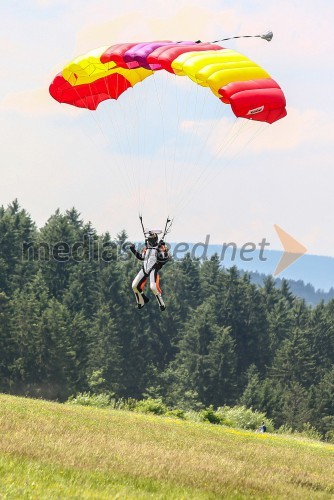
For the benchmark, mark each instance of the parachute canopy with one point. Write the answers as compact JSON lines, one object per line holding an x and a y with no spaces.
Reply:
{"x":107,"y":72}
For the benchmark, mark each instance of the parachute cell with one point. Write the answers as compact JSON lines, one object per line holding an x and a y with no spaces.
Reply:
{"x":165,"y":56}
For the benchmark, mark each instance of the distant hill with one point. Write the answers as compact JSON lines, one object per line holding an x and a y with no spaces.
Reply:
{"x":298,"y":288}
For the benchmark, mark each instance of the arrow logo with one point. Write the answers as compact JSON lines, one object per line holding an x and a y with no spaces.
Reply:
{"x":293,"y":250}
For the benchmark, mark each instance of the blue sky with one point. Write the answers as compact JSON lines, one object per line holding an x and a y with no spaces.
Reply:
{"x":55,"y":156}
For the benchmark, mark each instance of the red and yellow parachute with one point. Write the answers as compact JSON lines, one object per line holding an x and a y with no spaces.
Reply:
{"x":107,"y":72}
{"x":166,"y":142}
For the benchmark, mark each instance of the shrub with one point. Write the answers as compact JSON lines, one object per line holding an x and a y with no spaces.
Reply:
{"x":209,"y":415}
{"x":176,"y":413}
{"x":285,"y":429}
{"x":309,"y":431}
{"x":96,"y":382}
{"x":193,"y":415}
{"x":244,"y":418}
{"x":128,"y":404}
{"x":150,"y":405}
{"x":238,"y":416}
{"x":102,"y":400}
{"x":329,"y":437}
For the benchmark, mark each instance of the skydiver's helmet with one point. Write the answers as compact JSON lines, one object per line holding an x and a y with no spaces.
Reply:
{"x":152,"y":239}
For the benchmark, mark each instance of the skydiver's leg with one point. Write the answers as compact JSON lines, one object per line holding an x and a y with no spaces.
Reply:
{"x":155,"y":287}
{"x":138,"y":285}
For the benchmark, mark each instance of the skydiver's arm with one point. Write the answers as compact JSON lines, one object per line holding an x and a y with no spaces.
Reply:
{"x":138,"y":255}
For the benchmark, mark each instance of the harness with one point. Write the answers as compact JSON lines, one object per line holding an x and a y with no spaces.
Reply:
{"x":150,"y":259}
{"x":154,"y":258}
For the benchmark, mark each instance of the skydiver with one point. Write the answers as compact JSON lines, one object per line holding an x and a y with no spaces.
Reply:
{"x":154,"y":255}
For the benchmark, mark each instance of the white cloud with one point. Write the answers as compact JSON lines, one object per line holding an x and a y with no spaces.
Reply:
{"x":300,"y":35}
{"x":170,"y":21}
{"x":298,"y":129}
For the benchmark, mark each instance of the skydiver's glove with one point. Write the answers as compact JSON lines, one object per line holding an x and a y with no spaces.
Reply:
{"x":132,"y":248}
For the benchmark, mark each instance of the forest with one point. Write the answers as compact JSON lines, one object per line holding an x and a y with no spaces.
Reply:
{"x":69,"y":324}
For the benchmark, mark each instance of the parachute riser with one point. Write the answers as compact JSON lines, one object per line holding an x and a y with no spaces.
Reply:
{"x":268,"y":35}
{"x":168,"y":225}
{"x":142,"y":225}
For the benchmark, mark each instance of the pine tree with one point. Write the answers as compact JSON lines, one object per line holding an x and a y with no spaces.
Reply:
{"x":270,"y":292}
{"x":74,"y":219}
{"x":251,"y":396}
{"x":190,"y":285}
{"x":79,"y":330}
{"x":120,"y":240}
{"x":295,"y":410}
{"x":320,"y":329}
{"x":294,"y":361}
{"x":82,"y":292}
{"x":17,"y":235}
{"x":286,"y":293}
{"x":105,"y":352}
{"x":28,"y":304}
{"x":220,"y":366}
{"x":210,"y":272}
{"x":55,"y":358}
{"x":206,"y":359}
{"x":281,"y":321}
{"x":240,"y":307}
{"x":7,"y":346}
{"x":323,"y":403}
{"x":55,"y":243}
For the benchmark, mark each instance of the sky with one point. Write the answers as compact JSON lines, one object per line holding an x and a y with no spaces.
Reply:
{"x":54,"y":156}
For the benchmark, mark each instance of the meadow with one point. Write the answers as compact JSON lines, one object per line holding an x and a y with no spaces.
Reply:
{"x":51,"y":450}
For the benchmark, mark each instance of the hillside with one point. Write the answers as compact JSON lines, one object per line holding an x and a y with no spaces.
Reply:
{"x":49,"y":450}
{"x":70,"y":324}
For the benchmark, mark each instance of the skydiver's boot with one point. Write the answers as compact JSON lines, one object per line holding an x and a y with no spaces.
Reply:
{"x":145,"y":298}
{"x":140,"y":300}
{"x":160,"y":302}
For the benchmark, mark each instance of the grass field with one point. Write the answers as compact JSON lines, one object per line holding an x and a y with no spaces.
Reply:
{"x":50,"y":451}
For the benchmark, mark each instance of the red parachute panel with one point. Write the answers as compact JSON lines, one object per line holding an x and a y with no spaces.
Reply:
{"x":260,"y":100}
{"x":91,"y":94}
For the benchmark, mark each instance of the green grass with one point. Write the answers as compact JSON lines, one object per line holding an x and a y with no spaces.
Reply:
{"x":50,"y":451}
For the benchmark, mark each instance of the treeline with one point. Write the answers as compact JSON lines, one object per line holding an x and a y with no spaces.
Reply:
{"x":69,"y":324}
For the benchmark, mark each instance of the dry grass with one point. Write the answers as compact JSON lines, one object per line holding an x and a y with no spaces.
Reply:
{"x":49,"y":450}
